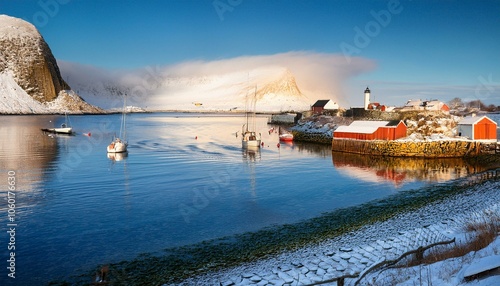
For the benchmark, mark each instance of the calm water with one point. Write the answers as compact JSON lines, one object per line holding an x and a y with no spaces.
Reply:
{"x":184,"y":180}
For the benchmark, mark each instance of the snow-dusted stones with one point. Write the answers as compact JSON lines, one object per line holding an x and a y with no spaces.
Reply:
{"x":312,"y":265}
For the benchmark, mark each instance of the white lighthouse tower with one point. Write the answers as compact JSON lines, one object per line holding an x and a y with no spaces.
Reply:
{"x":367,"y":98}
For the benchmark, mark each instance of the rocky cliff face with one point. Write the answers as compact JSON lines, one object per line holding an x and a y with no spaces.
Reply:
{"x":26,"y":57}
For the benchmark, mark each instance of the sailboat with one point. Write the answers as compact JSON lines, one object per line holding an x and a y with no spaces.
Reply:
{"x":64,"y":129}
{"x":250,"y":138}
{"x":119,"y":144}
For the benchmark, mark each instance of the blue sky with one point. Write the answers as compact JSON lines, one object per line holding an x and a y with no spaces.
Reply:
{"x":426,"y":48}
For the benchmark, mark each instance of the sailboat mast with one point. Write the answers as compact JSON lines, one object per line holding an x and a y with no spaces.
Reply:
{"x":254,"y":106}
{"x":122,"y":127}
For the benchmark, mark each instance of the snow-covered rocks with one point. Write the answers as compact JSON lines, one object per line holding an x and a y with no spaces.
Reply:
{"x":372,"y":244}
{"x":30,"y":81}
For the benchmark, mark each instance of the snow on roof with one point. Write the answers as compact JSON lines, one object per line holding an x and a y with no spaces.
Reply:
{"x":363,"y":126}
{"x":470,"y":120}
{"x":369,"y":123}
{"x":366,"y":126}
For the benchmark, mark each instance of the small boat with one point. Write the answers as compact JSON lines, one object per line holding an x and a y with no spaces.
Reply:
{"x":250,"y":138}
{"x":285,"y":136}
{"x":64,"y":129}
{"x":119,"y":144}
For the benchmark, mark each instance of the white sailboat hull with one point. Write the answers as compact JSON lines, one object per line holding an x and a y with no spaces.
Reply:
{"x":117,"y":147}
{"x":250,"y":144}
{"x":61,"y":130}
{"x":250,"y":140}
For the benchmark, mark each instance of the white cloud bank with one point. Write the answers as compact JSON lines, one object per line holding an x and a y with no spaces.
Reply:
{"x":218,"y":84}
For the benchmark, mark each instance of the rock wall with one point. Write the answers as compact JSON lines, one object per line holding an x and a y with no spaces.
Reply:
{"x":431,"y":149}
{"x":311,"y":137}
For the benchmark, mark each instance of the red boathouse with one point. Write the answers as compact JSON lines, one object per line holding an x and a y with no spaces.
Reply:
{"x":372,"y":130}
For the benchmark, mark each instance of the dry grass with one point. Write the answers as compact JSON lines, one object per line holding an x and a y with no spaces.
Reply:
{"x":479,"y":235}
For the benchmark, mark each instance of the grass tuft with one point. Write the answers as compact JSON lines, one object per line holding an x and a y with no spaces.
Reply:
{"x":479,"y":234}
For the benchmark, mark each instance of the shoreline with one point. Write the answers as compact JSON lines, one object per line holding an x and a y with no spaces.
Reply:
{"x":227,"y":260}
{"x":350,"y":253}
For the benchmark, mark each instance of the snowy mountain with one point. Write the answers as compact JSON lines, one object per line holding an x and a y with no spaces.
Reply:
{"x":271,"y":88}
{"x":30,"y":80}
{"x":280,"y":82}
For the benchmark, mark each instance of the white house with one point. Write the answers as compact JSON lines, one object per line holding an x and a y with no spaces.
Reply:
{"x":325,"y":104}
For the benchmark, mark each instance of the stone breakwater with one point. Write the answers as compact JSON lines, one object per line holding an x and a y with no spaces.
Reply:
{"x":312,"y":137}
{"x":429,"y":149}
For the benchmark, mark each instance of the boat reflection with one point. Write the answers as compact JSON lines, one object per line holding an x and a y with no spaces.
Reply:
{"x":251,"y":154}
{"x":402,"y":170}
{"x":117,"y":157}
{"x":288,"y":144}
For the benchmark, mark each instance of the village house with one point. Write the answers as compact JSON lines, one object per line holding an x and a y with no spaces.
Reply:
{"x":372,"y":130}
{"x":477,"y":128}
{"x":434,"y":105}
{"x":326,"y":104}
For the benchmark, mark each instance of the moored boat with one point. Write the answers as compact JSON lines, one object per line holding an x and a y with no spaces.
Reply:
{"x":250,"y":139}
{"x":119,"y":144}
{"x":64,"y":129}
{"x":285,"y":135}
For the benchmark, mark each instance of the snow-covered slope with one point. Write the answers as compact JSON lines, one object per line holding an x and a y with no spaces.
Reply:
{"x":273,"y":89}
{"x":30,"y":81}
{"x":280,"y":82}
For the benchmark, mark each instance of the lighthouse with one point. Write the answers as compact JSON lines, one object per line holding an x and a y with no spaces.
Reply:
{"x":367,"y":98}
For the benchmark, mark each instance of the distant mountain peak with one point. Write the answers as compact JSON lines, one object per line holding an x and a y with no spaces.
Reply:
{"x":285,"y":85}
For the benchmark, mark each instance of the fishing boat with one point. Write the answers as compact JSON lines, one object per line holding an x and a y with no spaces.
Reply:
{"x":119,"y":144}
{"x":64,"y":129}
{"x":285,"y":135}
{"x":250,"y":139}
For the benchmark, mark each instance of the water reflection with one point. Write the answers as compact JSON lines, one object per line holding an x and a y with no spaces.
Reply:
{"x":402,"y":170}
{"x":26,"y":150}
{"x":251,"y":154}
{"x":117,"y":157}
{"x":321,"y":150}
